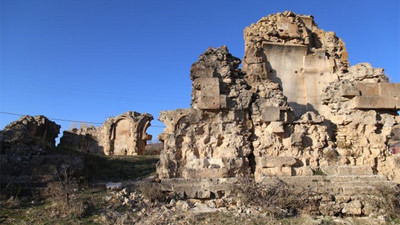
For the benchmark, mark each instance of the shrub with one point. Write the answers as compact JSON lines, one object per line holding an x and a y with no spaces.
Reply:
{"x":65,"y":197}
{"x":389,"y":201}
{"x":279,"y":199}
{"x":319,"y":172}
{"x":331,"y":155}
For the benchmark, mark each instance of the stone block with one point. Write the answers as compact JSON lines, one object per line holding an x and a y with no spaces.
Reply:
{"x":277,"y":161}
{"x":375,"y":102}
{"x":209,"y":93}
{"x":350,"y":91}
{"x":368,"y":89}
{"x":308,"y":21}
{"x":203,"y":194}
{"x":303,"y":171}
{"x":270,"y":113}
{"x":329,"y":169}
{"x":354,"y":170}
{"x":286,"y":28}
{"x":202,"y":71}
{"x":275,"y":127}
{"x":316,"y":64}
{"x":276,"y":171}
{"x":352,"y":208}
{"x":209,"y":102}
{"x":296,"y":139}
{"x":204,"y":173}
{"x":389,"y":89}
{"x":378,"y":96}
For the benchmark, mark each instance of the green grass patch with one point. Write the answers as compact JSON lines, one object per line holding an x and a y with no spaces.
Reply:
{"x":319,"y":173}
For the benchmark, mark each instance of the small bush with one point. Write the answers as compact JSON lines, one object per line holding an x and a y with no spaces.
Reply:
{"x":389,"y":201}
{"x":319,"y":172}
{"x":331,"y":155}
{"x":279,"y":199}
{"x":65,"y":197}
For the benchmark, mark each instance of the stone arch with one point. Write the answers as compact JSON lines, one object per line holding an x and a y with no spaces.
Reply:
{"x":122,"y":137}
{"x":127,"y":134}
{"x":142,"y":136}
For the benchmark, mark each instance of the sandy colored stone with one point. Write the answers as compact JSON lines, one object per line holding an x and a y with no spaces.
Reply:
{"x":295,"y":108}
{"x":121,"y":135}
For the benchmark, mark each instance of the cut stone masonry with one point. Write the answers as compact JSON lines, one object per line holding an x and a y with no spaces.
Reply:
{"x":296,"y":108}
{"x":121,"y":135}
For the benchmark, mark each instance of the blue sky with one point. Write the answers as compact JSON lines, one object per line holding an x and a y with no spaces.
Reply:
{"x":87,"y":60}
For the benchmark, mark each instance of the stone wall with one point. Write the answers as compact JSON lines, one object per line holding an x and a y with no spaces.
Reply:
{"x":292,"y":48}
{"x":296,"y":108}
{"x":210,"y":139}
{"x":29,"y":134}
{"x":28,"y":159}
{"x":121,"y":135}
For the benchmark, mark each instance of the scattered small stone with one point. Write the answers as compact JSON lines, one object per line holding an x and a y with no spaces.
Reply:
{"x":114,"y":186}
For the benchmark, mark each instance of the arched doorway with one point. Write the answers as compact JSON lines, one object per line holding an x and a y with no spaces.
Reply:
{"x":124,"y":141}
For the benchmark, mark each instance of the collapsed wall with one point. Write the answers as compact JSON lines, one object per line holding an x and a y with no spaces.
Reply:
{"x":121,"y":135}
{"x":211,"y":138}
{"x":28,"y":161}
{"x":296,"y":108}
{"x":33,"y":134}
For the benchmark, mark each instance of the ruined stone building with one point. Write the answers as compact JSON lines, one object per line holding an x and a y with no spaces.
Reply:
{"x":295,"y":109}
{"x":28,"y":160}
{"x":121,"y":135}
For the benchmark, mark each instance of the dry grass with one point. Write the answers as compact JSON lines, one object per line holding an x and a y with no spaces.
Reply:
{"x":278,"y":200}
{"x":76,"y":201}
{"x":388,"y":202}
{"x":331,"y":155}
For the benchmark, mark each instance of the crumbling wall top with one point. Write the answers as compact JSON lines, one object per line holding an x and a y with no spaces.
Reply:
{"x":31,"y":129}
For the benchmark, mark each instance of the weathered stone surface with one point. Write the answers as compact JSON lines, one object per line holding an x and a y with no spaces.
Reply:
{"x":207,"y":141}
{"x":33,"y":133}
{"x":291,"y":50}
{"x":296,"y":108}
{"x":270,"y":113}
{"x":121,"y":135}
{"x":28,"y":160}
{"x":353,"y":208}
{"x":347,"y":195}
{"x":209,"y":93}
{"x":377,"y":96}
